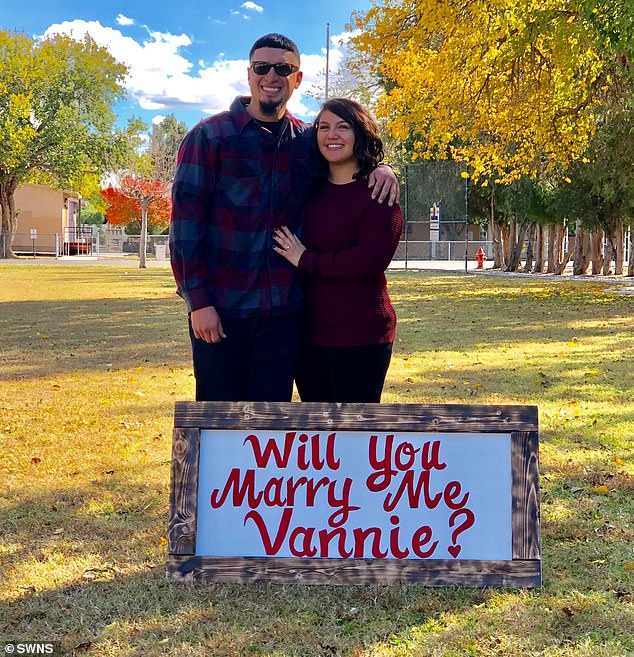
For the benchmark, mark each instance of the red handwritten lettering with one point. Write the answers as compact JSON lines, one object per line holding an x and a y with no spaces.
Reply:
{"x":406,"y":486}
{"x":405,"y":449}
{"x":239,"y":492}
{"x":306,"y":536}
{"x":402,"y":459}
{"x":380,"y":480}
{"x":240,"y":488}
{"x":308,"y":451}
{"x":394,"y":546}
{"x":325,"y":537}
{"x":452,"y":490}
{"x":432,"y":461}
{"x":421,"y":537}
{"x":271,"y":448}
{"x":271,"y":547}
{"x":357,"y":542}
{"x":360,"y":536}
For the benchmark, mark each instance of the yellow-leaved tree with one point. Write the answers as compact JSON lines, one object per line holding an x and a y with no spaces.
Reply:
{"x":510,"y":87}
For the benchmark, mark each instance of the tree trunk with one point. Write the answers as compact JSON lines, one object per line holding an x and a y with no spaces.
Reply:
{"x":530,"y":248}
{"x":516,"y":243}
{"x":539,"y":250}
{"x":563,"y":257}
{"x":550,"y":265}
{"x":596,"y":248}
{"x":581,"y":256}
{"x":9,"y":218}
{"x":609,"y":254}
{"x":498,"y":246}
{"x":619,"y":246}
{"x":630,"y":264}
{"x":506,"y":245}
{"x":557,"y":248}
{"x":143,"y":236}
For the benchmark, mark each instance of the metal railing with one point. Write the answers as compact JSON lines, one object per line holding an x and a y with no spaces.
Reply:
{"x":412,"y":251}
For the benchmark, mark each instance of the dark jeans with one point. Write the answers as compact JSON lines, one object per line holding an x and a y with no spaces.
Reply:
{"x":343,"y":374}
{"x":255,"y":362}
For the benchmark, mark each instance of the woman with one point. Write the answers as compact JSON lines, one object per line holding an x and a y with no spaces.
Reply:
{"x":348,"y":240}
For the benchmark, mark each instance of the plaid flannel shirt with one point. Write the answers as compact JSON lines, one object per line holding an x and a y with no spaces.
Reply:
{"x":234,"y":184}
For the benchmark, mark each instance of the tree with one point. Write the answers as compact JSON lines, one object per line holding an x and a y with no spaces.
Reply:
{"x":165,"y":142}
{"x":56,"y":119}
{"x":136,"y":198}
{"x":600,"y":194}
{"x":511,"y":88}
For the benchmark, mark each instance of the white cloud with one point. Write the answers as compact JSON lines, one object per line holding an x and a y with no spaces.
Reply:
{"x":159,"y":118}
{"x":251,"y":6}
{"x":162,"y":79}
{"x":124,"y":20}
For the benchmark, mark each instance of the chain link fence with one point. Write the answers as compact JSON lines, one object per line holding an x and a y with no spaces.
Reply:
{"x":435,"y":200}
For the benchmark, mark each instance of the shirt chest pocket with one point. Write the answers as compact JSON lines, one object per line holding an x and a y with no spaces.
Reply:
{"x":239,"y":183}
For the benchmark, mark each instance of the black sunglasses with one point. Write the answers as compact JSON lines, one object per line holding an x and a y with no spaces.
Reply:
{"x":283,"y":69}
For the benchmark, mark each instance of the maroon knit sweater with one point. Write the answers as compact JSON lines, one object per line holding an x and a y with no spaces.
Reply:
{"x":350,"y":239}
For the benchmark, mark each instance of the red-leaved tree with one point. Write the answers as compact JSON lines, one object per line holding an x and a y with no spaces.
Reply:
{"x":138,"y":198}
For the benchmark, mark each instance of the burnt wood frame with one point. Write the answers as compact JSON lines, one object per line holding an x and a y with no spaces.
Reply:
{"x":523,"y":570}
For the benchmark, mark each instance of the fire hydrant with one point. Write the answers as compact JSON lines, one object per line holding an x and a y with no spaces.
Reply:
{"x":480,"y":257}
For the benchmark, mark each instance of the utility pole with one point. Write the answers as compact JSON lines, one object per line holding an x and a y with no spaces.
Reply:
{"x":466,"y":219}
{"x":327,"y":56}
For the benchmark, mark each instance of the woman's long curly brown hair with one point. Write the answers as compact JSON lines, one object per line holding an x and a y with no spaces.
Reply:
{"x":368,"y":147}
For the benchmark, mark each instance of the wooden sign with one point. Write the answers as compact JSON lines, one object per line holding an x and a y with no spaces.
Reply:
{"x":355,"y":494}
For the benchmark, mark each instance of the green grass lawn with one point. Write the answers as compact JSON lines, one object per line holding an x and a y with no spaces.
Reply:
{"x":93,"y":358}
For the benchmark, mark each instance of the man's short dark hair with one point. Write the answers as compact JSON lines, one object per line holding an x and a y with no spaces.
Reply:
{"x":275,"y":40}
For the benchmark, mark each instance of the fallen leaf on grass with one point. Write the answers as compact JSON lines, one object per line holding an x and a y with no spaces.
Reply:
{"x":619,"y":461}
{"x":100,"y":574}
{"x":629,"y":565}
{"x":28,"y":589}
{"x":84,"y":645}
{"x":36,"y":460}
{"x":409,"y":379}
{"x":591,"y":373}
{"x":601,"y":490}
{"x":55,"y":386}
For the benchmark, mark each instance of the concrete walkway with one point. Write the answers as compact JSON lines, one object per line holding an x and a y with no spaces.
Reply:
{"x":457,"y":266}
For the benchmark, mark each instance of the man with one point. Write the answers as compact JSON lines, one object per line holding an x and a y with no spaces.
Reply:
{"x":241,"y":174}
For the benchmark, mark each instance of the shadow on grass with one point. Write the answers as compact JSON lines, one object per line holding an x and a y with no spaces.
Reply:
{"x":119,"y":595}
{"x":47,"y":338}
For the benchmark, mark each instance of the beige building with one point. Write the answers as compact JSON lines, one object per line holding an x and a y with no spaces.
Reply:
{"x":48,"y":219}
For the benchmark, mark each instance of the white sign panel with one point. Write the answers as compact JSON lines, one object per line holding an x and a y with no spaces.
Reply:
{"x":352,"y":494}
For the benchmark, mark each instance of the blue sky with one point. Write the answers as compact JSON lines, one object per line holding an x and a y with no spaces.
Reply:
{"x":189,"y":57}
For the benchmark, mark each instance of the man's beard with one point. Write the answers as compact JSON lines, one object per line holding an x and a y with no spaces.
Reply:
{"x":271,"y":108}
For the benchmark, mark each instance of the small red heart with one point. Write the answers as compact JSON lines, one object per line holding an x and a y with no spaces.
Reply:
{"x":454,"y":550}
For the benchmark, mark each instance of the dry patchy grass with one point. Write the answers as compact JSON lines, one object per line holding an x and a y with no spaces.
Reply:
{"x":93,"y":358}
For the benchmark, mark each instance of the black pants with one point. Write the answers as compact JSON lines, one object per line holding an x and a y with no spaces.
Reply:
{"x":343,"y":374}
{"x":255,"y":362}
